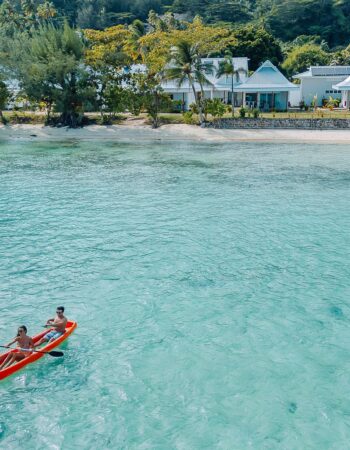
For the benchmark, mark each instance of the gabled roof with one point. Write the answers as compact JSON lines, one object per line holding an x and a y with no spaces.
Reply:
{"x":267,"y":78}
{"x":302,"y":74}
{"x":343,"y":86}
{"x":219,"y":84}
{"x":325,"y":71}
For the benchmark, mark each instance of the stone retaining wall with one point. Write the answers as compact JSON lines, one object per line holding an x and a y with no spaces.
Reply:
{"x":303,"y":124}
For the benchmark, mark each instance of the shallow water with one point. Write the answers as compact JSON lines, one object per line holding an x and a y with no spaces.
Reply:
{"x":210,"y":284}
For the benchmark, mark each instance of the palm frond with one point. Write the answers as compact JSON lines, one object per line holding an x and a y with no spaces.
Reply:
{"x":176,"y":73}
{"x":238,"y":71}
{"x":201,"y":78}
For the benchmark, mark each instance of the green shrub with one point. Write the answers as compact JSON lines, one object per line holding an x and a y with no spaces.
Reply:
{"x":176,"y":106}
{"x":172,"y":118}
{"x":194,"y":108}
{"x":188,"y":117}
{"x":332,"y":102}
{"x":256,"y":113}
{"x":17,"y":117}
{"x":242,"y":112}
{"x":216,"y":108}
{"x":106,"y":120}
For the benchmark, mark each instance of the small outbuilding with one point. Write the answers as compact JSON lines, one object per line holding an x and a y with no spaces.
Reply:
{"x":344,"y":88}
{"x":267,"y":89}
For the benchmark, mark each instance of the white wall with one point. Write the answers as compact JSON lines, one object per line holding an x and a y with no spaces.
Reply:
{"x":319,"y":86}
{"x":345,"y":99}
{"x":295,"y":97}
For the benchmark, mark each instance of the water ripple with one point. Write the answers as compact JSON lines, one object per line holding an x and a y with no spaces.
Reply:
{"x":211,"y":287}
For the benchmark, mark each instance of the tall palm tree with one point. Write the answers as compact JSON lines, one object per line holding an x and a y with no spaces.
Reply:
{"x":226,"y":67}
{"x":186,"y":65}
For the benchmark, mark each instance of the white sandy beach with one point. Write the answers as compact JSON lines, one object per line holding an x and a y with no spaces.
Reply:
{"x":142,"y":132}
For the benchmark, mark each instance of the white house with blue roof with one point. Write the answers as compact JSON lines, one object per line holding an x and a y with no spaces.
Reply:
{"x":267,"y":89}
{"x":216,"y":88}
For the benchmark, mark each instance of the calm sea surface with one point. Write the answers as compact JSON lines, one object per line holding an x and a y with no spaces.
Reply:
{"x":211,"y":287}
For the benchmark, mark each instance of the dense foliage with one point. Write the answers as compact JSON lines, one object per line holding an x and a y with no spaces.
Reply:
{"x":286,"y":19}
{"x":70,"y":56}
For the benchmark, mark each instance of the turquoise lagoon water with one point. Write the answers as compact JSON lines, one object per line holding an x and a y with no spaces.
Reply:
{"x":211,"y":287}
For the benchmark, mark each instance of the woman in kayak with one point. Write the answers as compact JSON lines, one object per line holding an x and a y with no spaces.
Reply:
{"x":24,"y":344}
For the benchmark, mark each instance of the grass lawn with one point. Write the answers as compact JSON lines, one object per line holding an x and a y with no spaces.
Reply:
{"x":318,"y":114}
{"x":28,"y":117}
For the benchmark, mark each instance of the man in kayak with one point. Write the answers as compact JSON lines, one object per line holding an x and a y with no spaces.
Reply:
{"x":58,"y":324}
{"x":24,"y":345}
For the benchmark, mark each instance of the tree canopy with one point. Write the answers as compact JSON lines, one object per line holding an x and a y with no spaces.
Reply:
{"x":285,"y":19}
{"x":300,"y":58}
{"x":71,"y":53}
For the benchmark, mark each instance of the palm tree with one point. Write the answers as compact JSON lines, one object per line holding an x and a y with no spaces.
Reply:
{"x":47,"y":10}
{"x":186,"y":65}
{"x":133,"y":47}
{"x":226,"y":67}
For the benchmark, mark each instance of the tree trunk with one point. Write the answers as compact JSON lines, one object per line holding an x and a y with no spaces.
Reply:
{"x":232,"y":99}
{"x":202,"y":100}
{"x":199,"y":106}
{"x":103,"y":87}
{"x":154,"y":111}
{"x":156,"y":122}
{"x":48,"y":111}
{"x":70,"y":116}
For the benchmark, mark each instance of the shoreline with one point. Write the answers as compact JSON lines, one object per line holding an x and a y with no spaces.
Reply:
{"x":176,"y":132}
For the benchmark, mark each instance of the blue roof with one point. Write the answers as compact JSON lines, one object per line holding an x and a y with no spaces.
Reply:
{"x":266,"y":78}
{"x":325,"y":71}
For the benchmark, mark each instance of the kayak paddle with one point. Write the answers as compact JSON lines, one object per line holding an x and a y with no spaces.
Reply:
{"x":53,"y":353}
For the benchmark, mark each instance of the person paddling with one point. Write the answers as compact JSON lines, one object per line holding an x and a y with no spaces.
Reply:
{"x":58,"y":324}
{"x":24,"y":345}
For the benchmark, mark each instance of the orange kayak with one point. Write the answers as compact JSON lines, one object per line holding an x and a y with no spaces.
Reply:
{"x":71,"y":326}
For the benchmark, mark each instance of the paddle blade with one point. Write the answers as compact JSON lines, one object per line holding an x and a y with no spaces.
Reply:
{"x":56,"y":354}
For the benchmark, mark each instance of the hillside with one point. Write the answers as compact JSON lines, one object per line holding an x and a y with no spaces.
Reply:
{"x":325,"y":20}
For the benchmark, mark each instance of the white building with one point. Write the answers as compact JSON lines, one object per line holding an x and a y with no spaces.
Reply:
{"x":267,"y":89}
{"x":317,"y":83}
{"x":217,"y":87}
{"x":344,"y":88}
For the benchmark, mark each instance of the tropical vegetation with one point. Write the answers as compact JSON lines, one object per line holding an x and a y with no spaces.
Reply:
{"x":69,"y":57}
